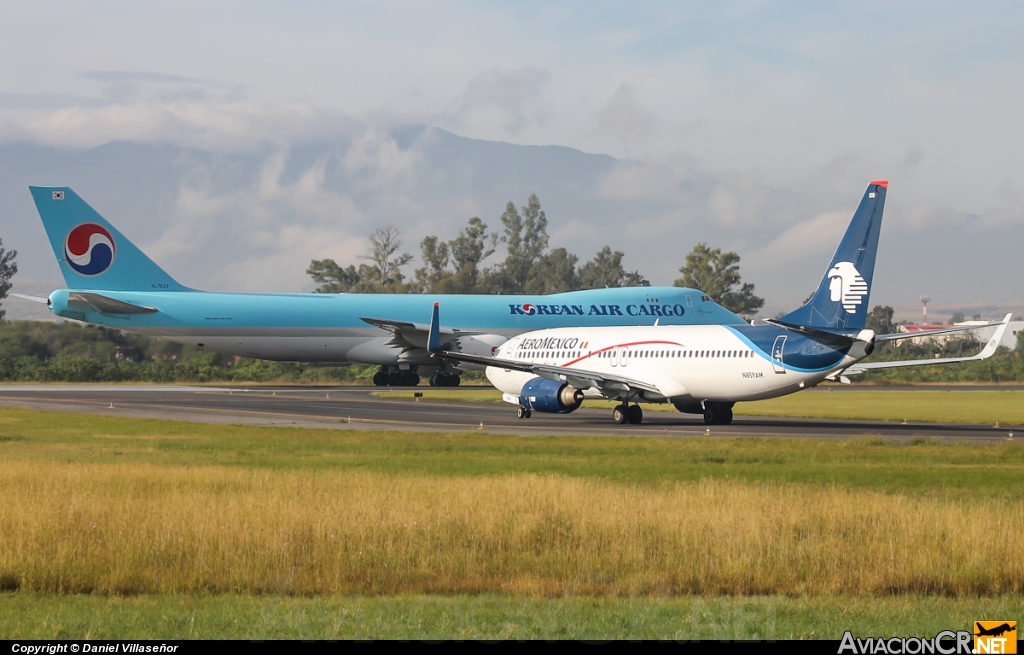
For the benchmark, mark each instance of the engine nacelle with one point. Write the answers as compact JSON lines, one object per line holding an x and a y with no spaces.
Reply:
{"x":542,"y":395}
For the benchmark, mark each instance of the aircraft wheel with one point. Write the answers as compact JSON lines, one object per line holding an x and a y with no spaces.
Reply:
{"x":380,"y":378}
{"x":410,"y":379}
{"x":395,"y":379}
{"x":435,"y":379}
{"x":620,"y":414}
{"x":455,"y":380}
{"x":635,"y":415}
{"x":522,"y":412}
{"x":726,"y":417}
{"x":709,"y":416}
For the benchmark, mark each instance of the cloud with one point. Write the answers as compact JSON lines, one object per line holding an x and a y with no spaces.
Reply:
{"x":1008,"y":209}
{"x":231,"y":126}
{"x":270,"y":228}
{"x":376,"y":153}
{"x":623,"y":118}
{"x":510,"y":100}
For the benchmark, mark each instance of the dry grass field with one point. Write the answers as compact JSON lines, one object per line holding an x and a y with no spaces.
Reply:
{"x":131,"y":529}
{"x":334,"y":533}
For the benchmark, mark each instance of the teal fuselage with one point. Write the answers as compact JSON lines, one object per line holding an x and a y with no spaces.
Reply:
{"x":329,"y":328}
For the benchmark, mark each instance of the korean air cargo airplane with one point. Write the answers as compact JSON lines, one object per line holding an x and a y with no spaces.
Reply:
{"x":706,"y":369}
{"x":113,"y":283}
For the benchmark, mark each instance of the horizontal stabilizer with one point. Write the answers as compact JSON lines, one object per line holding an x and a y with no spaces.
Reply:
{"x":94,"y":302}
{"x":821,"y":336}
{"x":413,"y":335}
{"x":45,"y":301}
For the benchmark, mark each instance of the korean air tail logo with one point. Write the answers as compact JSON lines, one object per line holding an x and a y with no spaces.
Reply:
{"x":89,"y":249}
{"x":847,"y":286}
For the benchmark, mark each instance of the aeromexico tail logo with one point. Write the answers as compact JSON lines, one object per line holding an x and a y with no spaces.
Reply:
{"x":89,"y":249}
{"x":847,"y":286}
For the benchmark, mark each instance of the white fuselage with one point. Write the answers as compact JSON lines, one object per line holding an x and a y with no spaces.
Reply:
{"x":685,"y":363}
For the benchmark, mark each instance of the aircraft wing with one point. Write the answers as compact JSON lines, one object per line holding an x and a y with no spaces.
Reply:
{"x":608,"y":384}
{"x":930,"y":333}
{"x":95,"y":302}
{"x":412,"y":335}
{"x":986,"y":352}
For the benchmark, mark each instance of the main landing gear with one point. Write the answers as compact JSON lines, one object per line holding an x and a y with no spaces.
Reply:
{"x":389,"y":376}
{"x":717,"y":414}
{"x":395,"y":378}
{"x":442,"y":379}
{"x":631,"y":414}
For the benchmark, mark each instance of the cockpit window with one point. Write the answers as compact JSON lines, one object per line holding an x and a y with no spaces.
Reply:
{"x":705,"y":298}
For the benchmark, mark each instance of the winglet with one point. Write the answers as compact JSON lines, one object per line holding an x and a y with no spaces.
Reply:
{"x":997,"y":336}
{"x":434,"y":334}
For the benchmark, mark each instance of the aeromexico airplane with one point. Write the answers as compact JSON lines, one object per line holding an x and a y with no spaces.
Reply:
{"x":113,"y":283}
{"x":706,"y":369}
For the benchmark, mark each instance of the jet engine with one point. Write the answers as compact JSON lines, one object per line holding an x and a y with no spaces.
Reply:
{"x":549,"y":396}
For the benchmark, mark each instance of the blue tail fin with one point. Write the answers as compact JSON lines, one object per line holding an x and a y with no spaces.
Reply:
{"x":841,"y":300}
{"x":91,"y":252}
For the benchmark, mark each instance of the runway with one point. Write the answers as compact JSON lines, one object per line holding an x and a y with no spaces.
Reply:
{"x":357,"y":408}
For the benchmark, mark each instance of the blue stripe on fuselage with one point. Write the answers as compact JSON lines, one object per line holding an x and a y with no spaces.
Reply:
{"x":800,"y":354}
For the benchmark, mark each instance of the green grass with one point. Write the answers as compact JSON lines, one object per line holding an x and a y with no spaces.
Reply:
{"x":37,"y":616}
{"x":917,"y":467}
{"x":1003,"y":407}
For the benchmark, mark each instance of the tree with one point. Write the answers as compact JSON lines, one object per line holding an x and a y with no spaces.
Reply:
{"x":332,"y":277}
{"x":471,"y":247}
{"x":718,"y":275}
{"x":880,"y":320}
{"x":464,"y":253}
{"x":526,"y":237}
{"x":605,"y":271}
{"x":435,"y":264}
{"x":384,"y":276}
{"x":1020,"y":341}
{"x":957,"y":318}
{"x":8,"y":268}
{"x":384,"y":244}
{"x":554,"y":272}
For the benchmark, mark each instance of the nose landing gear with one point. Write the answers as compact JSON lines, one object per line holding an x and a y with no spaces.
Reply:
{"x":524,"y":412}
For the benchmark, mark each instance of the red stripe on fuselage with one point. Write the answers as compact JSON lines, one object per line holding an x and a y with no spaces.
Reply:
{"x":623,"y":345}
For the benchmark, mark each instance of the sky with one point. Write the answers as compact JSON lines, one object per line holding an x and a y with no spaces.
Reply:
{"x":758,"y":101}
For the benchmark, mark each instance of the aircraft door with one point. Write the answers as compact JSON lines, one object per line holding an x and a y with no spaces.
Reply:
{"x":615,"y":356}
{"x":778,"y":348}
{"x":624,"y":358}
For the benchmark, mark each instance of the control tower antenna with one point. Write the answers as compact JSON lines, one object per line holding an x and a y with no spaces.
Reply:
{"x":924,"y":305}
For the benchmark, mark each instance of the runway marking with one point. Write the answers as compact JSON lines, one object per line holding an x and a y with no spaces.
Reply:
{"x":422,"y":417}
